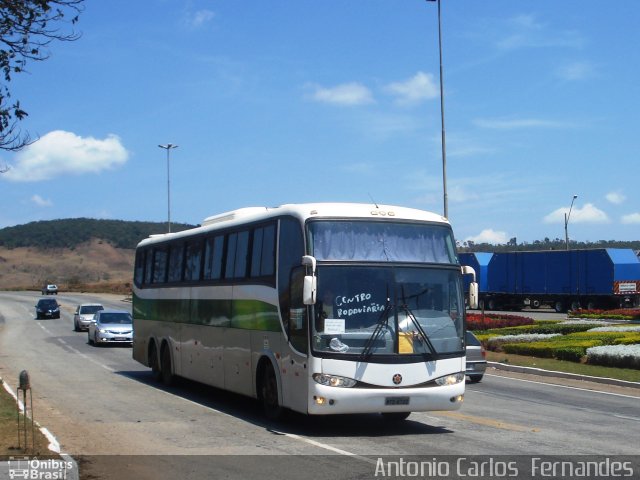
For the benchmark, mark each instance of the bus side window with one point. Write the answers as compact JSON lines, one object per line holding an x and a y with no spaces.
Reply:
{"x":298,"y":318}
{"x":140,"y":261}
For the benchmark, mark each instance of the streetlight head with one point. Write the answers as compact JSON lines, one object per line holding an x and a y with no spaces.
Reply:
{"x":575,"y":196}
{"x":168,"y":146}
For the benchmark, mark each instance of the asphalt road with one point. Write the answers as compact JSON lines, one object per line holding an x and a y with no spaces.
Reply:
{"x":98,"y":402}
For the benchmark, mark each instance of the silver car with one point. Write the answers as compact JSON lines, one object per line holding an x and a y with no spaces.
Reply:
{"x":111,"y":326}
{"x":476,"y":361}
{"x":84,"y":315}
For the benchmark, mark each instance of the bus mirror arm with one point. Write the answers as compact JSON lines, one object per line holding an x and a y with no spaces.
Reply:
{"x":473,"y":286}
{"x":310,"y":281}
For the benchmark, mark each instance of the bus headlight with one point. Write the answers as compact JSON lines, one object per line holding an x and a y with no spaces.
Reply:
{"x":450,"y":379}
{"x":334,"y":380}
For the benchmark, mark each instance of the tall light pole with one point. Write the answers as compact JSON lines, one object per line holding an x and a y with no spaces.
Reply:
{"x":566,"y":222}
{"x":444,"y":147}
{"x":168,"y":147}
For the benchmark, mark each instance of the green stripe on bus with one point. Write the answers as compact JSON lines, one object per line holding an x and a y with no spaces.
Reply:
{"x":243,"y":314}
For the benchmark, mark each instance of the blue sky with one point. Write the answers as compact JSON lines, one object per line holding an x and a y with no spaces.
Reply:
{"x":290,"y":101}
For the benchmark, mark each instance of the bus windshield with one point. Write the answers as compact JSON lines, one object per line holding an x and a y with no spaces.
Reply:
{"x":382,"y":241}
{"x":388,"y":310}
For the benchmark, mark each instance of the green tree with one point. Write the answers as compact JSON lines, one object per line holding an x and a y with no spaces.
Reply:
{"x":27,"y":29}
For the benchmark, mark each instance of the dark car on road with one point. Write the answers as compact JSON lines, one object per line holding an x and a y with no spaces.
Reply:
{"x":47,"y":308}
{"x":476,"y":361}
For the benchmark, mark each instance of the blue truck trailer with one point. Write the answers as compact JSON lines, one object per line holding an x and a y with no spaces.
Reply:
{"x":563,"y":279}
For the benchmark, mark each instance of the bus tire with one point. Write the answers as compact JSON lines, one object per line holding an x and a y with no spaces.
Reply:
{"x":154,"y":363}
{"x":269,"y":393}
{"x":166,"y":373}
{"x":395,"y":416}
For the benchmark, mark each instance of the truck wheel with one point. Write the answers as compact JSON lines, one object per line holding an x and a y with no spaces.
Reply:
{"x":535,"y":303}
{"x":575,"y":305}
{"x":559,"y":306}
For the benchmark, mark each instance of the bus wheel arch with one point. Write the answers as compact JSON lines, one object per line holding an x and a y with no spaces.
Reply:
{"x":268,"y":389}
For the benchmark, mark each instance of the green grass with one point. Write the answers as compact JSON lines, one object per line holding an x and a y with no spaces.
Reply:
{"x":627,"y":374}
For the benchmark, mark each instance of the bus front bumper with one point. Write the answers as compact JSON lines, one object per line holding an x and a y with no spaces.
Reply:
{"x":325,"y":400}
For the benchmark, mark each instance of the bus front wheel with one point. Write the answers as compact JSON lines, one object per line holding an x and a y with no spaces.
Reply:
{"x":269,"y":393}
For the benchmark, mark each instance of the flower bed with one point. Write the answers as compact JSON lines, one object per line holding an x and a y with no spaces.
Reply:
{"x":621,"y":356}
{"x":570,"y":344}
{"x":479,"y":322}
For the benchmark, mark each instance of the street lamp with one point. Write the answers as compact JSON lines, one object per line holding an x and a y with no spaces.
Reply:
{"x":444,"y":148}
{"x":168,"y":148}
{"x":566,"y":222}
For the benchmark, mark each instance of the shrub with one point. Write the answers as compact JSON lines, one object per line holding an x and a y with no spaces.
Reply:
{"x":619,"y":314}
{"x":562,"y":350}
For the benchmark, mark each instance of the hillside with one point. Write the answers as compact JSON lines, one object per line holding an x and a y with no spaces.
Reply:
{"x":71,"y":232}
{"x":77,"y":254}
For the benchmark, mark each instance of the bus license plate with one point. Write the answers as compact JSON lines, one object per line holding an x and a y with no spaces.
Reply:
{"x":396,"y":401}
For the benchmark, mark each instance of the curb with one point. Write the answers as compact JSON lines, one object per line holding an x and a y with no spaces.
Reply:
{"x":571,"y":376}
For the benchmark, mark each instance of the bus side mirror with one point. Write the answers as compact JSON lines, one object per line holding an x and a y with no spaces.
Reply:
{"x":473,"y":286}
{"x":473,"y":295}
{"x":309,"y":290}
{"x":310,"y":285}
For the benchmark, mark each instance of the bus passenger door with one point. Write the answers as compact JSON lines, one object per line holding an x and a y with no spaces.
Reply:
{"x":294,"y":364}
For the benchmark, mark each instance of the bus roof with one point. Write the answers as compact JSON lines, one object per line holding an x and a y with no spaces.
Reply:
{"x":304,"y":211}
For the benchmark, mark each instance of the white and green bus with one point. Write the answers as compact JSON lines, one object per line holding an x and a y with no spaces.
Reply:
{"x":322,"y":308}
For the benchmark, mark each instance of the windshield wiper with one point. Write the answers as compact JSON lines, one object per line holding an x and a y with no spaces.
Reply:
{"x":421,"y":331}
{"x":381,"y":323}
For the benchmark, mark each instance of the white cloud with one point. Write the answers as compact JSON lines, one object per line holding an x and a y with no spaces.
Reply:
{"x":349,"y":94}
{"x":41,"y":202}
{"x":514,"y":123}
{"x":525,"y":31}
{"x":199,"y":18}
{"x":421,"y":86}
{"x":615,"y":197}
{"x":587,"y":214}
{"x":632,"y":218}
{"x":576,"y":71}
{"x":60,"y":153}
{"x":489,"y":235}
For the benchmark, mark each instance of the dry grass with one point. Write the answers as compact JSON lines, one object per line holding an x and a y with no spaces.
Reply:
{"x":93,"y":266}
{"x":10,"y":445}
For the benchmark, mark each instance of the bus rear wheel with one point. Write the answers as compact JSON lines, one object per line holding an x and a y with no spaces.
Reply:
{"x":154,"y":363}
{"x":269,"y":393}
{"x":165,"y":367}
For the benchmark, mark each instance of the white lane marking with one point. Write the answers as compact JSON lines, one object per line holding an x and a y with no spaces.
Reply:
{"x":326,"y":447}
{"x":85,"y":356}
{"x":293,"y":436}
{"x":78,"y":352}
{"x":564,"y":386}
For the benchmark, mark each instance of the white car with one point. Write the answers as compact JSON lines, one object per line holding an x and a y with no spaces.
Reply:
{"x":84,"y":315}
{"x":111,"y":326}
{"x":50,"y":289}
